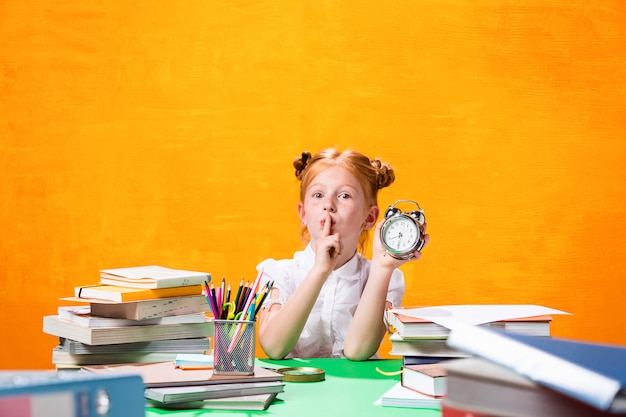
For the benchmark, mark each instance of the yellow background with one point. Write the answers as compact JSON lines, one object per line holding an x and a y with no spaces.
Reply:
{"x":147,"y":132}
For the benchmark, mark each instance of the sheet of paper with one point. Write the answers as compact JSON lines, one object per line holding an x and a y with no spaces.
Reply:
{"x":450,"y":315}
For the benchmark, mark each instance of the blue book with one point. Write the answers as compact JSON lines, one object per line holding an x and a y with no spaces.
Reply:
{"x":425,"y":360}
{"x":593,"y":373}
{"x":71,"y":394}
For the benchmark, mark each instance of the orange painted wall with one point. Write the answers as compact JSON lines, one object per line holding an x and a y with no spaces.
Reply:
{"x":151,"y":133}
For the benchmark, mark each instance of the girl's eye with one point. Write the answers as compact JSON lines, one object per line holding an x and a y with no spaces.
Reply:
{"x":317,"y":195}
{"x":344,"y":196}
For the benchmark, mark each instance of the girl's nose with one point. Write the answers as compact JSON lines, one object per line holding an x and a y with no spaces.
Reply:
{"x":329,"y":206}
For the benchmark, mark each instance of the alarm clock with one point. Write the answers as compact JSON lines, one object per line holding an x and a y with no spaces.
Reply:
{"x":400,"y":234}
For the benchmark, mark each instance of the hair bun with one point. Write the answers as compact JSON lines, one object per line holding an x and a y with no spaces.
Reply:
{"x":301,"y":162}
{"x":384,"y":173}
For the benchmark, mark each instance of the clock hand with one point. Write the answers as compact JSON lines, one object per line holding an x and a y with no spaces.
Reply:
{"x":398,"y":236}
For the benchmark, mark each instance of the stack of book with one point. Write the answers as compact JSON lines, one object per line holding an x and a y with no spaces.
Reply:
{"x":172,"y":386}
{"x":512,"y":375}
{"x":420,"y":386}
{"x":137,"y":314}
{"x":423,"y":340}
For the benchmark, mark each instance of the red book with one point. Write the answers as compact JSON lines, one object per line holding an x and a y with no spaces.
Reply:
{"x":429,"y":379}
{"x":450,"y":410}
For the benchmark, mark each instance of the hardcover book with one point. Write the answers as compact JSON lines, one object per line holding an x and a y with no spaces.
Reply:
{"x":529,"y":319}
{"x":168,"y":395}
{"x":593,"y":373}
{"x":436,"y":348}
{"x":427,"y":379}
{"x":482,"y":388}
{"x":408,"y":327}
{"x":119,"y":294}
{"x":152,"y":308}
{"x":188,"y":345}
{"x":450,"y":409}
{"x":166,"y":374}
{"x":82,"y":315}
{"x":425,"y":360}
{"x":247,"y":402}
{"x":152,"y":276}
{"x":70,"y":394}
{"x":58,"y":326}
{"x":62,"y":358}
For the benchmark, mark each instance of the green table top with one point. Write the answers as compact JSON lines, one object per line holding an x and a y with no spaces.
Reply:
{"x":350,"y":388}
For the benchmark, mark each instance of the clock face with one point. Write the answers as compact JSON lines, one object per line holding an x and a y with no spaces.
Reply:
{"x":400,"y":234}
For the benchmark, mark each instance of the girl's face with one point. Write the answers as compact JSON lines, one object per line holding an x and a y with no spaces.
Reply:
{"x":336,"y":191}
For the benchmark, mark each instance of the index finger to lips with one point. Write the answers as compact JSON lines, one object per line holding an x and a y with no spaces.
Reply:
{"x":327,"y":223}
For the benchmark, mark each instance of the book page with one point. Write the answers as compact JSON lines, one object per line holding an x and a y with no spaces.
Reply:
{"x":475,"y":314}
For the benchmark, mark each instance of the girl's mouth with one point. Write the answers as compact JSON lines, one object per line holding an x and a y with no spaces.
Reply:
{"x":323,"y":223}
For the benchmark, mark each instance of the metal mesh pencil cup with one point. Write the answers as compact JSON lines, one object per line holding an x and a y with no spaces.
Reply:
{"x":234,"y":347}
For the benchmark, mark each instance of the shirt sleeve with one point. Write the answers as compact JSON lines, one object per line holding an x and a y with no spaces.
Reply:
{"x":277,"y":273}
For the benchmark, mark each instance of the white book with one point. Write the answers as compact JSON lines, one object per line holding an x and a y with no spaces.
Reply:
{"x":190,"y":345}
{"x":151,"y":308}
{"x":429,"y":379}
{"x":82,"y":315}
{"x":58,"y":326}
{"x":437,"y":348}
{"x":399,"y":396}
{"x":61,"y":356}
{"x":205,"y":392}
{"x":436,"y":322}
{"x":152,"y":276}
{"x":247,"y":402}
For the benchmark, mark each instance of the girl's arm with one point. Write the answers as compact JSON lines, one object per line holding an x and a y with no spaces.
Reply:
{"x":367,"y":328}
{"x":280,"y":326}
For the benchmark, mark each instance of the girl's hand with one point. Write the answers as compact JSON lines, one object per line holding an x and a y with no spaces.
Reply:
{"x":383,"y":258}
{"x":327,"y":248}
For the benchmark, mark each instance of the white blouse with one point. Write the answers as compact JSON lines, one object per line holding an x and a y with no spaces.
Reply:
{"x":327,"y":325}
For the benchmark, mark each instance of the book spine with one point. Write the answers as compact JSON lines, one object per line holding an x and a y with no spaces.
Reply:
{"x":117,"y":396}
